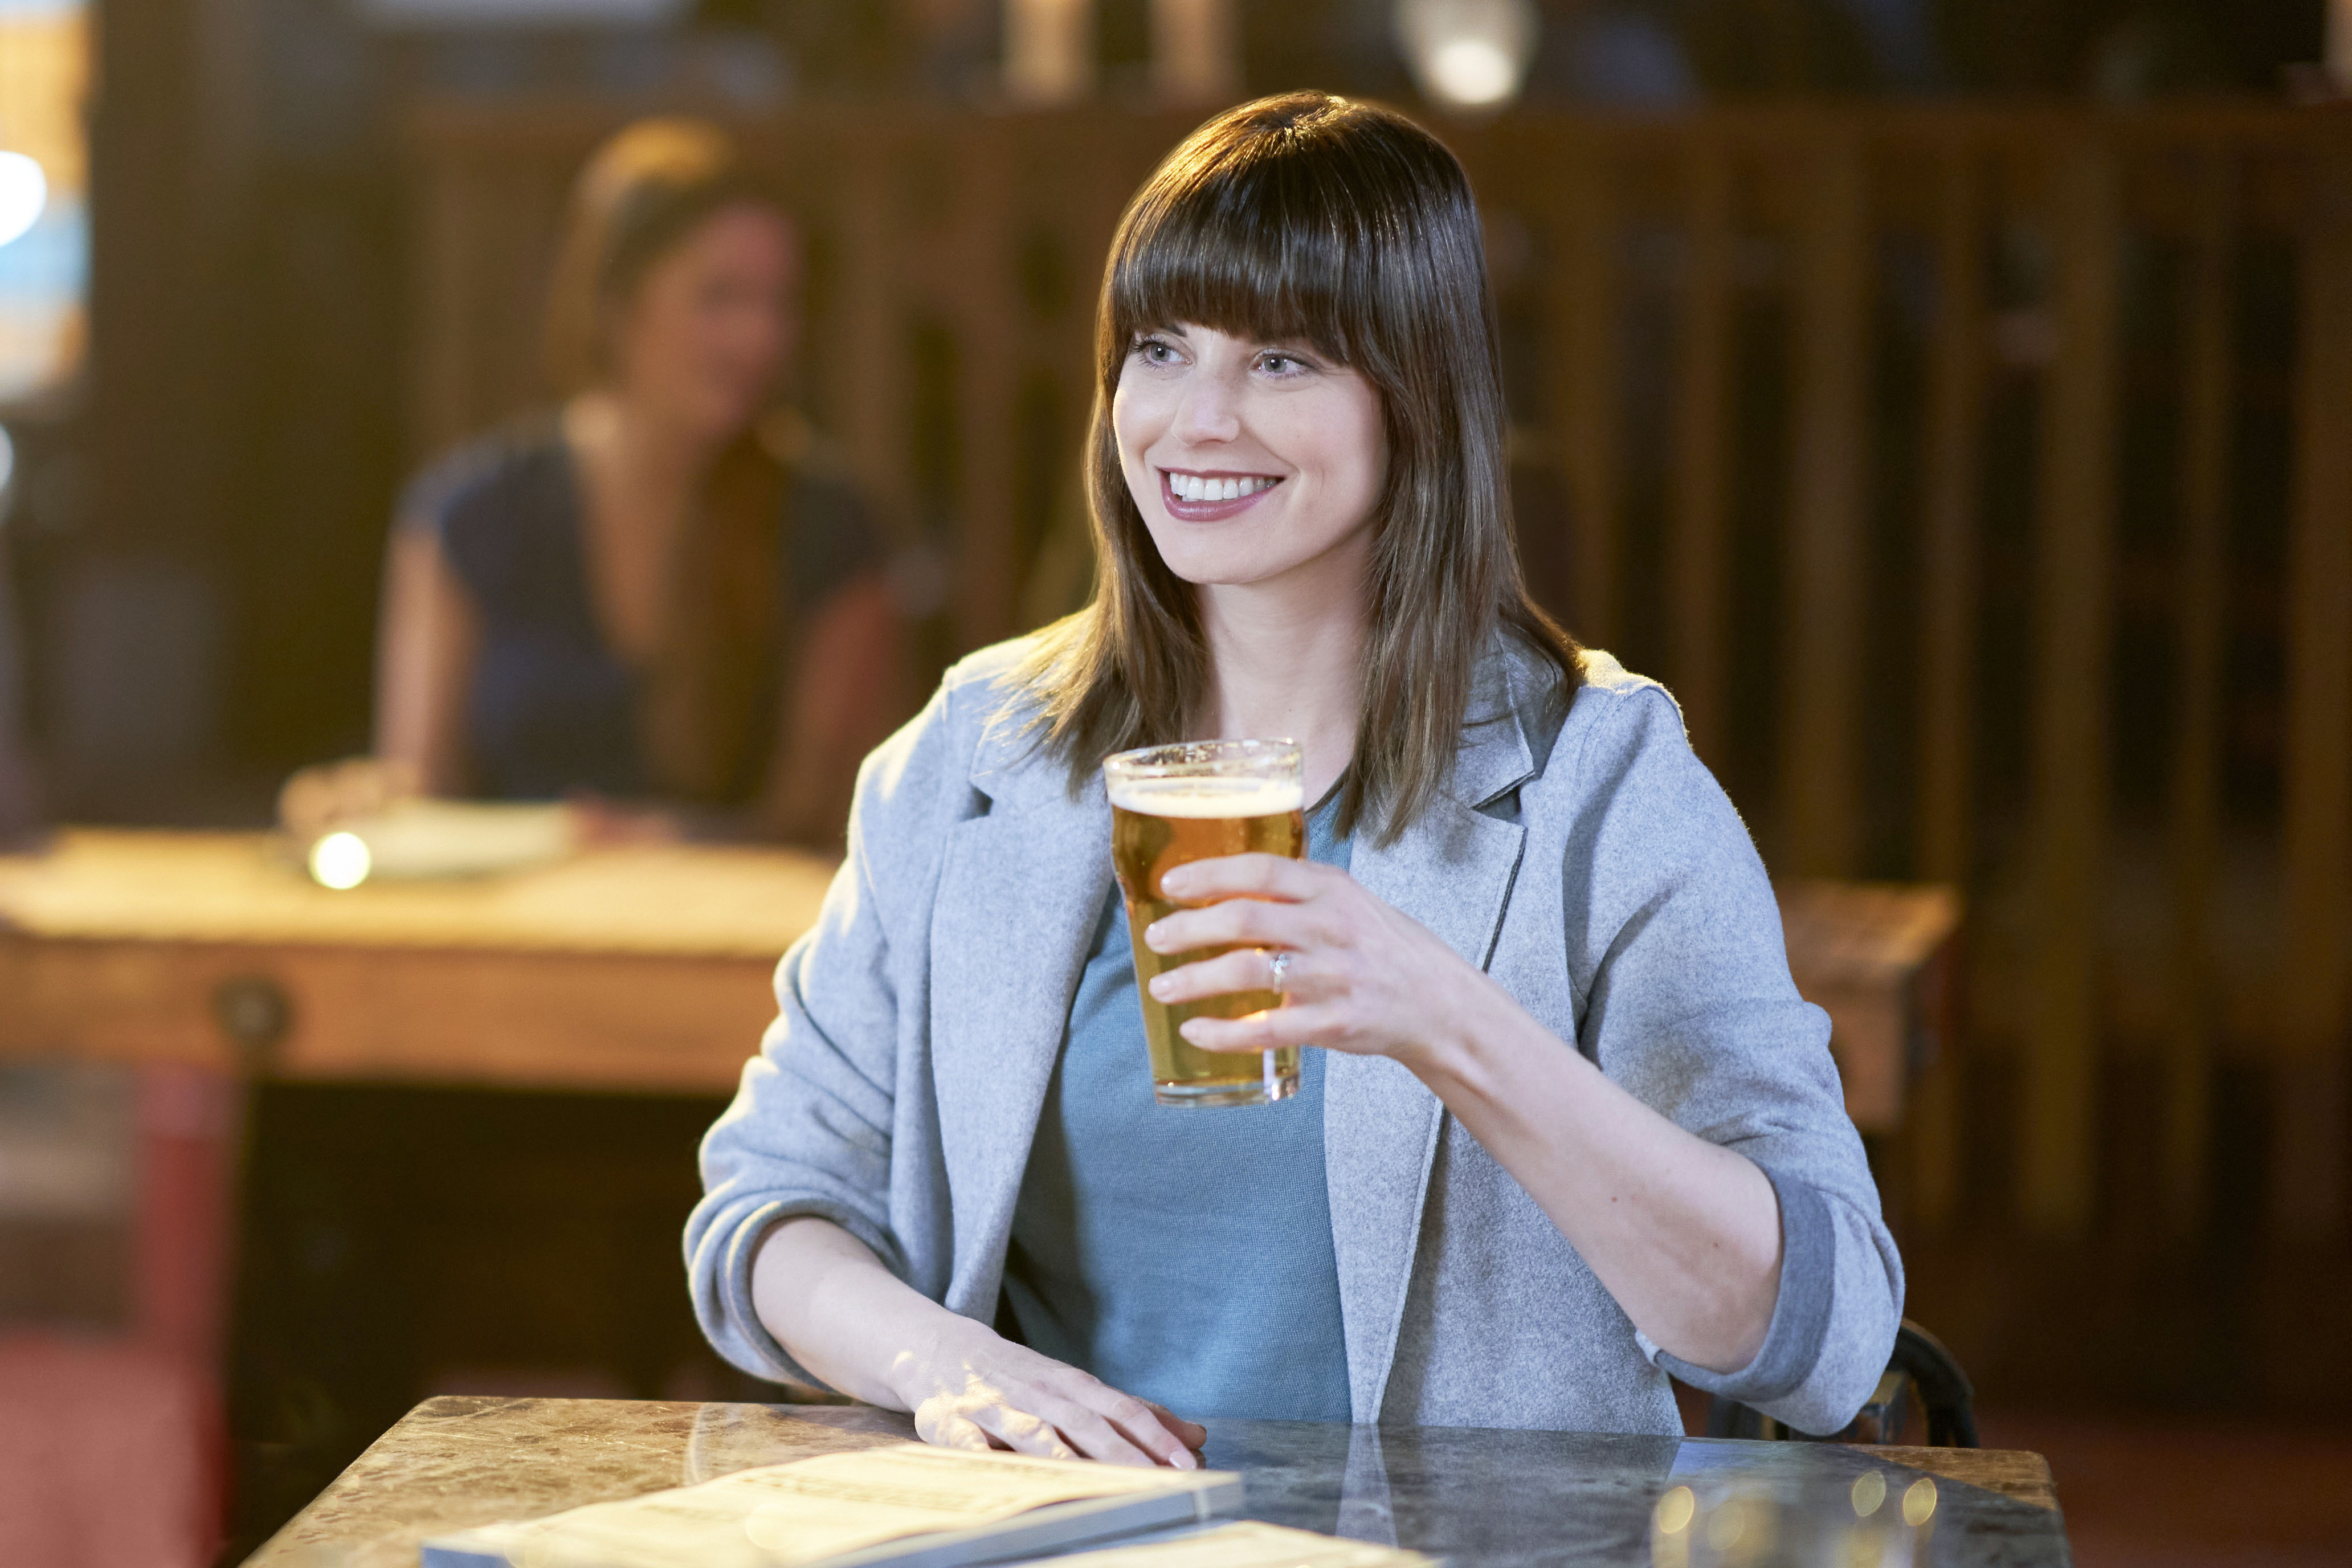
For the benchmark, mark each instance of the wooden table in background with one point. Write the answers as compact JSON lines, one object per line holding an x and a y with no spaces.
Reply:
{"x":1876,"y":956}
{"x":641,"y":969}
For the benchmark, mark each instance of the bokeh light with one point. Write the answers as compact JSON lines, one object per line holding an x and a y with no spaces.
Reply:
{"x":340,"y":861}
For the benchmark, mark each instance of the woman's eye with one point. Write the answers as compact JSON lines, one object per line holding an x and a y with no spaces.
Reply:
{"x":1281,"y":365}
{"x":1156,"y":352}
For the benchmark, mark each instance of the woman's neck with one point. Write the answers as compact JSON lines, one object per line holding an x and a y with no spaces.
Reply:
{"x":628,"y":445}
{"x":1286,"y":659}
{"x":638,"y":476}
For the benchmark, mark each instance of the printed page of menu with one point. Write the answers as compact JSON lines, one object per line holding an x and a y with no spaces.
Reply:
{"x":904,"y":1503}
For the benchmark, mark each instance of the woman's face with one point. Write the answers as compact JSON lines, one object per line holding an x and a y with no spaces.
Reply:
{"x":711,"y":322}
{"x":1249,"y":460}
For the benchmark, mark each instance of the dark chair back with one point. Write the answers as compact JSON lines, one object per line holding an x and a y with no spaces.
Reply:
{"x":1920,"y":1367}
{"x":1944,"y":1393}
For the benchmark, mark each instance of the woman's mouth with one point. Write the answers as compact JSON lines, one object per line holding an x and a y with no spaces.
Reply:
{"x":1210,"y":497}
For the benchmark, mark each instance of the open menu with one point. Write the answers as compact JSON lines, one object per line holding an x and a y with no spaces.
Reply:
{"x":906,"y":1504}
{"x":1245,"y":1543}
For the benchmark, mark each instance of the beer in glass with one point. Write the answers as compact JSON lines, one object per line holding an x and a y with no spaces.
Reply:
{"x":1197,"y":801}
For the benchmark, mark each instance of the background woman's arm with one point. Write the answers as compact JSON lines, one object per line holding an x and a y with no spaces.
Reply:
{"x":424,"y":661}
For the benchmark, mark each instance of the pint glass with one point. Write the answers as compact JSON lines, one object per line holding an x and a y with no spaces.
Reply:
{"x":1197,"y":801}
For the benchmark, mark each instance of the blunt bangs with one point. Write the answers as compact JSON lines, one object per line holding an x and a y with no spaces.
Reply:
{"x":1310,"y":219}
{"x":1255,"y":251}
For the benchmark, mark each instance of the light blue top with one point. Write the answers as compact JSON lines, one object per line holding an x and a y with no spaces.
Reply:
{"x":1182,"y":1255}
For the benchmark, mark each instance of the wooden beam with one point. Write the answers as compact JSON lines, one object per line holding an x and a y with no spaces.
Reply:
{"x":1582,"y":318}
{"x":2073,"y":572}
{"x":2308,"y":1169}
{"x":2202,"y":579}
{"x":1947,"y":625}
{"x":1700,"y":484}
{"x":978,"y":286}
{"x":867,"y":332}
{"x":1827,"y":550}
{"x":1949,"y":533}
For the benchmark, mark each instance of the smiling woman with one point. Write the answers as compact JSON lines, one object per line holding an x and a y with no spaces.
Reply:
{"x":1563,"y":1125}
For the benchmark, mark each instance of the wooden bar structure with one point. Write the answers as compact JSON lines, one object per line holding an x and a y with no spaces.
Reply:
{"x":1581,"y":317}
{"x":1995,"y":250}
{"x":1821,"y":728}
{"x":641,"y":970}
{"x":1699,"y":498}
{"x":2308,"y":1174}
{"x":2073,"y":615}
{"x":2195,"y":804}
{"x":1945,"y":744}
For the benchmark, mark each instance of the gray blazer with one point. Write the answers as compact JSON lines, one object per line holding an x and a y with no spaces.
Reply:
{"x":1596,"y":870}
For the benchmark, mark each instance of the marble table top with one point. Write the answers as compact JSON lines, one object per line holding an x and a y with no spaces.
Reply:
{"x":1483,"y":1498}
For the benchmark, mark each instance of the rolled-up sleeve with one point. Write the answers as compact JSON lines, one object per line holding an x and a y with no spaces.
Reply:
{"x":811,"y":1128}
{"x":1689,"y":1004}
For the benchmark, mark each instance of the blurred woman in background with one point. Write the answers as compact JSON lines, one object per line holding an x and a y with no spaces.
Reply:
{"x":655,"y":600}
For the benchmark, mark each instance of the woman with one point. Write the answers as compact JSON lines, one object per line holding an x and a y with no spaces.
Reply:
{"x":1570,"y":1127}
{"x":658,"y":597}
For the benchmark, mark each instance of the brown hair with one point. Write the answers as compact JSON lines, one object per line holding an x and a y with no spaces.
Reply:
{"x":705,"y":703}
{"x":1345,"y":226}
{"x":641,"y":193}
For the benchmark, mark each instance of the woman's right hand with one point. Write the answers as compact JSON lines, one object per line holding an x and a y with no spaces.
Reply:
{"x":849,"y":1321}
{"x":971,"y":1388}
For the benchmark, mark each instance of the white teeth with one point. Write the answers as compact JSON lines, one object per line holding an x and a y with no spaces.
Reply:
{"x":1200,"y":488}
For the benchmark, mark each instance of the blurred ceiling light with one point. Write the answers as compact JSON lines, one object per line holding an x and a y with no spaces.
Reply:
{"x":1049,"y":51}
{"x":1194,"y":54}
{"x":396,"y":14}
{"x":1467,"y":54}
{"x":24,"y":192}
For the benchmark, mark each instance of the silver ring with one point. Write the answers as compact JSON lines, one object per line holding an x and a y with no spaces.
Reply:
{"x":1277,"y":967}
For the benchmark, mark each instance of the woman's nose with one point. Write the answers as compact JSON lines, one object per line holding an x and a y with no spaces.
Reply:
{"x":1208,"y":411}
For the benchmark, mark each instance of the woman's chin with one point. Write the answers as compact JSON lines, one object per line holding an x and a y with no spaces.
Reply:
{"x":1225,"y":574}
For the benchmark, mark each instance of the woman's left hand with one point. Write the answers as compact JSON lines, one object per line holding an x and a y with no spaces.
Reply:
{"x":1363,"y":977}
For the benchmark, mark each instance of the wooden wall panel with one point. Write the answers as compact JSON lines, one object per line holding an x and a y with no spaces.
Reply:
{"x":1948,"y":653}
{"x":1699,"y":487}
{"x":1831,"y":442}
{"x":2207,"y":407}
{"x":2308,"y":1176}
{"x":1581,"y":312}
{"x":932,"y":219}
{"x":2074,"y":616}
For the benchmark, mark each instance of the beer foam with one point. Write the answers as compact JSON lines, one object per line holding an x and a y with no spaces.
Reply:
{"x":1198,"y":797}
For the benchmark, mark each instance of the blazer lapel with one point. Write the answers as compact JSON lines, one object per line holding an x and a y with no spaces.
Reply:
{"x":1019,"y":895}
{"x":1452,"y":871}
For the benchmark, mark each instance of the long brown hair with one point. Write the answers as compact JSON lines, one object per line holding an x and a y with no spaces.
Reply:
{"x":1345,"y":226}
{"x":706,"y":698}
